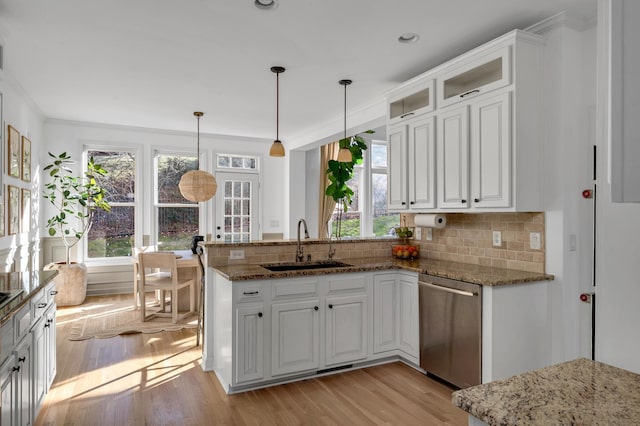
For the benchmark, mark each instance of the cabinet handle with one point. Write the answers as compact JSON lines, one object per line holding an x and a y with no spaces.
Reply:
{"x":218,"y":236}
{"x":404,"y":204}
{"x":407,"y":114}
{"x":259,"y":314}
{"x":412,"y":203}
{"x":22,"y":359}
{"x":49,"y":321}
{"x":53,"y":292}
{"x":330,"y":306}
{"x":16,"y":368}
{"x":42,"y":305}
{"x":463,"y":201}
{"x":315,"y":308}
{"x":47,"y":325}
{"x":250,"y":293}
{"x":476,"y":200}
{"x":470,"y":92}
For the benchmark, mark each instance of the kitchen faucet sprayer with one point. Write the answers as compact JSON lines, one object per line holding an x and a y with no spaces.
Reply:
{"x":300,"y":249}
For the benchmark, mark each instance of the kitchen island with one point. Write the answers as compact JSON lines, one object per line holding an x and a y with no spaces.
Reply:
{"x":578,"y":392}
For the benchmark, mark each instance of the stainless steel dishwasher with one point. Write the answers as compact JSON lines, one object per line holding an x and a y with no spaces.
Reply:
{"x":451,"y":330}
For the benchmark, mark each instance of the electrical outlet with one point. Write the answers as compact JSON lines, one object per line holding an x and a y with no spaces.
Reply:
{"x":534,"y":240}
{"x":497,"y":238}
{"x":236,"y":254}
{"x":429,"y":234}
{"x":418,"y":233}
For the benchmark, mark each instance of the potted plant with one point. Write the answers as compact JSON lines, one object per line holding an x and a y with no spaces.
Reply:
{"x":75,"y":200}
{"x":340,"y":173}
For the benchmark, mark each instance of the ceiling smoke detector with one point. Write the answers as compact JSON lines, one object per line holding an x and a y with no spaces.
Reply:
{"x":407,"y":38}
{"x":265,"y":4}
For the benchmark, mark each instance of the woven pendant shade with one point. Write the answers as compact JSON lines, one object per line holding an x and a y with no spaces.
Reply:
{"x":197,"y":185}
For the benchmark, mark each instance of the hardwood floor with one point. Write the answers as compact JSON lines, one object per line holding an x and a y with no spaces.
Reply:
{"x":156,"y":379}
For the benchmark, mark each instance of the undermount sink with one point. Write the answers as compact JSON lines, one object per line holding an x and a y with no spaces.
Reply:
{"x":283,"y":267}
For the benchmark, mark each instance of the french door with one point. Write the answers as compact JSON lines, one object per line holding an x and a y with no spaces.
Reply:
{"x":237,"y":207}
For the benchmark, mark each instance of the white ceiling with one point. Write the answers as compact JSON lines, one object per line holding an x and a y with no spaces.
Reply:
{"x":151,"y":63}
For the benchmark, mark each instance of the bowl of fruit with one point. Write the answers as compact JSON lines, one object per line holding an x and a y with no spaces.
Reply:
{"x":405,"y":251}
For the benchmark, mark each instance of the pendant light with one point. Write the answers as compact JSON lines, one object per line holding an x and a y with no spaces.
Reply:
{"x":344,"y":155}
{"x":198,"y":185}
{"x":277,"y":149}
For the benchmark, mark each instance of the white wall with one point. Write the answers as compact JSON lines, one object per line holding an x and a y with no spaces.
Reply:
{"x":72,"y":137}
{"x":19,"y":111}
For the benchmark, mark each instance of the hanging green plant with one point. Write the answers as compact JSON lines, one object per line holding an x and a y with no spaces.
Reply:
{"x":340,"y":173}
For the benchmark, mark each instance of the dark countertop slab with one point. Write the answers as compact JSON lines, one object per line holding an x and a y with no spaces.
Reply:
{"x":22,"y":286}
{"x":476,"y":274}
{"x":578,"y":392}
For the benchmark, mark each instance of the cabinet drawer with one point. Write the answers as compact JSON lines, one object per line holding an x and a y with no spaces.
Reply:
{"x":39,"y":304}
{"x":6,"y":340}
{"x":248,"y":292}
{"x":22,"y":322}
{"x":356,"y":282}
{"x":293,"y":287}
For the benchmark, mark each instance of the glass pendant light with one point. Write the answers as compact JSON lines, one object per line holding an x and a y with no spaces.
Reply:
{"x":198,"y":185}
{"x":277,"y":149}
{"x":344,"y":154}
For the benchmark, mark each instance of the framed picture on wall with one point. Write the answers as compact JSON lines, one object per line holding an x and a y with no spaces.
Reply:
{"x":25,"y":222}
{"x":14,"y":209}
{"x":26,"y":159}
{"x":13,"y":152}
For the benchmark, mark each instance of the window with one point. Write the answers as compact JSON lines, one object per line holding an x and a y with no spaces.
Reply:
{"x":111,"y":233}
{"x":237,"y":162}
{"x":177,"y":219}
{"x":367,"y":215}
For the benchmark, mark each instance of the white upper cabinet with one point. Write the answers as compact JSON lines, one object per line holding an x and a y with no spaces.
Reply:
{"x":475,"y":77}
{"x":489,"y":133}
{"x":413,"y":98}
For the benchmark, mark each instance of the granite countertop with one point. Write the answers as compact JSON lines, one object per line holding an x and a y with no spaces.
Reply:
{"x":578,"y":392}
{"x":22,"y":286}
{"x":476,"y":274}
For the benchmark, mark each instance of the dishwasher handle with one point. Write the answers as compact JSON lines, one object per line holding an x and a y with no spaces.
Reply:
{"x":449,"y":290}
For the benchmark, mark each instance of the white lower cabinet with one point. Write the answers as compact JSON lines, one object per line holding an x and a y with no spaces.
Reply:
{"x":345,"y":329}
{"x":295,"y":327}
{"x":396,"y":316}
{"x":28,"y":359}
{"x":295,"y":337}
{"x":249,"y":346}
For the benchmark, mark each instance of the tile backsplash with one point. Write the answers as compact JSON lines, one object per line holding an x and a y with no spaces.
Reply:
{"x":467,"y":238}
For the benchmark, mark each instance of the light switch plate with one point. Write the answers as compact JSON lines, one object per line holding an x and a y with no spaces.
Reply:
{"x":497,"y":238}
{"x":534,"y":240}
{"x":418,"y":233}
{"x":429,"y":234}
{"x":236,"y":254}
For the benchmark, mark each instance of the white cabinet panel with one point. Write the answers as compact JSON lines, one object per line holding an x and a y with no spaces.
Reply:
{"x":385,"y":319}
{"x":249,"y":343}
{"x":7,"y":392}
{"x":397,"y":177}
{"x":409,"y":335}
{"x":346,"y":329}
{"x":422,"y":164}
{"x":491,"y":151}
{"x":453,"y":158}
{"x":295,"y":337}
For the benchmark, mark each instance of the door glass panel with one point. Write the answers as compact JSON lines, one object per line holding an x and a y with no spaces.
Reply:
{"x":237,"y":214}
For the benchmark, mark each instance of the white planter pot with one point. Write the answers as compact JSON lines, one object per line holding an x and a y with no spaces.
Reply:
{"x":71,"y":283}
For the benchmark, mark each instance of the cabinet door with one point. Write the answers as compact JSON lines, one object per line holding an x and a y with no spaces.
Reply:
{"x":453,"y":158}
{"x":294,"y":337}
{"x":7,"y":392}
{"x":50,"y":343}
{"x":385,"y":318}
{"x":39,"y":363}
{"x":422,"y":164}
{"x":346,"y":329}
{"x":397,"y":177}
{"x":249,"y":362}
{"x":22,"y":382}
{"x":409,"y":334}
{"x":491,"y":151}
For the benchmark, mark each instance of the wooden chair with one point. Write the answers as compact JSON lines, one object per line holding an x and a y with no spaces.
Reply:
{"x":135,"y":251}
{"x":158,"y":271}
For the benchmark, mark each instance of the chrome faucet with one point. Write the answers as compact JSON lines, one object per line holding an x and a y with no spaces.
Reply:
{"x":300,"y":250}
{"x":332,"y":251}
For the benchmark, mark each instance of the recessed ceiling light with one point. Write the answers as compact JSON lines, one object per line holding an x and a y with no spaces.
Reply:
{"x":265,"y":4}
{"x":407,"y":38}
